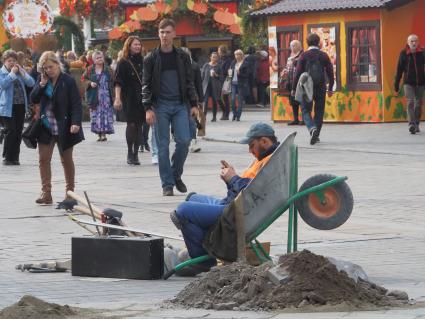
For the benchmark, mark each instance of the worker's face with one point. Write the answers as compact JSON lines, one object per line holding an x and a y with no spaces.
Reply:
{"x":413,"y":43}
{"x":167,"y":35}
{"x":258,"y":146}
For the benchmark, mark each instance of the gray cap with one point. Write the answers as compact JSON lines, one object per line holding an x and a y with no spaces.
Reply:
{"x":257,"y":130}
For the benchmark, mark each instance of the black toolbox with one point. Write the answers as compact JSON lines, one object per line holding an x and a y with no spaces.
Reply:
{"x":118,"y":257}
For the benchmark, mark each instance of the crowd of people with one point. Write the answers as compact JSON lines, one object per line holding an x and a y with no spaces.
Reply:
{"x":137,"y":87}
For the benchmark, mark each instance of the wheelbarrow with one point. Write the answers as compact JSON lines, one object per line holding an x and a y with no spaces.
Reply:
{"x":324,"y":202}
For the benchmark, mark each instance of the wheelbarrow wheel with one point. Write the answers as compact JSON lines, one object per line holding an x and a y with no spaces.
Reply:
{"x":333,"y":212}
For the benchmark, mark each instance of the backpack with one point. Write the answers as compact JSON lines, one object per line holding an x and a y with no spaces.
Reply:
{"x":315,"y":69}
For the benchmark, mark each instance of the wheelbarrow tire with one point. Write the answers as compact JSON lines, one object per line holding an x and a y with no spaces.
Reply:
{"x":336,"y":211}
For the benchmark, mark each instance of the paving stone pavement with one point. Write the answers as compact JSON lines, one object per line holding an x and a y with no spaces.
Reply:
{"x":385,"y":234}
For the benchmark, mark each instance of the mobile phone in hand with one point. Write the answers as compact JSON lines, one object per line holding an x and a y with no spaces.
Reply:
{"x":224,"y":164}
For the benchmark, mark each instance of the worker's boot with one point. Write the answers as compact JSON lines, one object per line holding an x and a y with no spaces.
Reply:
{"x":45,"y":199}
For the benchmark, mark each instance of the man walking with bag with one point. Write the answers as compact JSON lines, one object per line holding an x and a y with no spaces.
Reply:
{"x":411,"y":63}
{"x":318,"y":67}
{"x":168,"y":97}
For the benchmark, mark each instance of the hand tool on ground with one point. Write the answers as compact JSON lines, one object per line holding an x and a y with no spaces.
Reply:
{"x":130,"y":229}
{"x":91,"y":211}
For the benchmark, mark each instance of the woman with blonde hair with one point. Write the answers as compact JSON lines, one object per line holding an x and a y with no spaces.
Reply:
{"x":98,"y":79}
{"x":288,"y":73}
{"x":61,"y":115}
{"x":128,"y":95}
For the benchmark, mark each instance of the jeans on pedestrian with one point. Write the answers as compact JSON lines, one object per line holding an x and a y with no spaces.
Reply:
{"x":319,"y":99}
{"x":414,"y":96}
{"x":154,"y":150}
{"x":172,"y":114}
{"x":192,"y":127}
{"x":13,"y":127}
{"x":237,"y":94}
{"x":196,"y":219}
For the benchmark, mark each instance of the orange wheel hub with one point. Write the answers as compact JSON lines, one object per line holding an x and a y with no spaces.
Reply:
{"x":329,"y":208}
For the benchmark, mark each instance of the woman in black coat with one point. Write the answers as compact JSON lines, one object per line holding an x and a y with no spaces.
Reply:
{"x":128,"y":95}
{"x":61,"y":115}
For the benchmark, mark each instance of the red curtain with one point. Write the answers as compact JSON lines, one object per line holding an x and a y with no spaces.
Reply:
{"x":361,"y":38}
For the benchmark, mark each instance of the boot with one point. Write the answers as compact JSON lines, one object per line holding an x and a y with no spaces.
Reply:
{"x":68,"y":170}
{"x":44,"y":199}
{"x":136,"y":159}
{"x":130,"y":158}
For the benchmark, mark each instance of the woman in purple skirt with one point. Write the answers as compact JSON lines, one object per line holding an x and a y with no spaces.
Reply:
{"x":99,"y":96}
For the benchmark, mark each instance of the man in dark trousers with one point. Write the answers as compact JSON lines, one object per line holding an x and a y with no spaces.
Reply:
{"x":411,"y":64}
{"x":225,"y":61}
{"x":318,"y":66}
{"x":169,"y":98}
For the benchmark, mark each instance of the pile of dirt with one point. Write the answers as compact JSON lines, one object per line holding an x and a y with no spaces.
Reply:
{"x":34,"y":308}
{"x":304,"y":280}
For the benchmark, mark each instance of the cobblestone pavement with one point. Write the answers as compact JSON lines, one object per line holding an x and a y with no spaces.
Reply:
{"x":385,"y":234}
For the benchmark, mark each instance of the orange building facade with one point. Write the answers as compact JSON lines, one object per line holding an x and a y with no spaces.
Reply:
{"x":364,"y":46}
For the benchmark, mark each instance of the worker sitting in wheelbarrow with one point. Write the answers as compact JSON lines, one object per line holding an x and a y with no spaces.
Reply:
{"x":199,"y":213}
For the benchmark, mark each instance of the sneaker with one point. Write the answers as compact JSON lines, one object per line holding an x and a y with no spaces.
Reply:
{"x":314,"y":136}
{"x":45,"y":199}
{"x":175,"y":220}
{"x":194,"y":148}
{"x":155,"y":159}
{"x":167,"y":191}
{"x":181,"y":187}
{"x":412,"y":129}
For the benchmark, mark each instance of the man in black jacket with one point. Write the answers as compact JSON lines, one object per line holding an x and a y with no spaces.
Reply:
{"x":411,"y":63}
{"x":319,"y":67}
{"x":168,"y":96}
{"x":224,"y":62}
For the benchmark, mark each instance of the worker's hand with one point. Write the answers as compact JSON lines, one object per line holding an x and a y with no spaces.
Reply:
{"x":226,"y":173}
{"x":194,"y":111}
{"x":74,"y":129}
{"x":150,"y":117}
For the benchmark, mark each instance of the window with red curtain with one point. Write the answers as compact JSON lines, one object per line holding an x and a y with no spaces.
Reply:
{"x":284,"y":37}
{"x":363,"y":56}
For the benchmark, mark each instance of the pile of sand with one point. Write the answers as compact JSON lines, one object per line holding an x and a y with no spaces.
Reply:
{"x":311,"y":281}
{"x":34,"y":308}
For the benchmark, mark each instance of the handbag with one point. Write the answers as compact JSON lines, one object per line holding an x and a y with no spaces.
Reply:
{"x":32,"y":133}
{"x":227,"y":86}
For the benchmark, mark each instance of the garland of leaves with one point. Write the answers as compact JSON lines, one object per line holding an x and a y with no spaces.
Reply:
{"x":63,"y":25}
{"x":255,"y":30}
{"x":100,"y":10}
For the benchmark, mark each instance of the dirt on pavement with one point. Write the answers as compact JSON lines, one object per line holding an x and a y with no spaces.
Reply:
{"x":308,"y":280}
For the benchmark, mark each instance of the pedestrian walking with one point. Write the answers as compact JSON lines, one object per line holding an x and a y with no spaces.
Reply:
{"x":13,"y":105}
{"x":61,"y":114}
{"x":251,"y":60}
{"x":197,"y":81}
{"x":225,"y":60}
{"x":239,"y":72}
{"x":410,"y":66}
{"x":288,"y":78}
{"x":263,"y":79}
{"x":169,"y":98}
{"x":99,"y":82}
{"x":211,"y":84}
{"x":316,"y":65}
{"x":128,"y":95}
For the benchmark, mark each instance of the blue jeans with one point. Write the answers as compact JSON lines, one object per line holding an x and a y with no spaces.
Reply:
{"x":176,"y":115}
{"x":154,"y":144}
{"x":197,"y":216}
{"x":319,"y":98}
{"x":236,"y":90}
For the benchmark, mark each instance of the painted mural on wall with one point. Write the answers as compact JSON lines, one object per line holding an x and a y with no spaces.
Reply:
{"x":382,"y":105}
{"x":273,"y":63}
